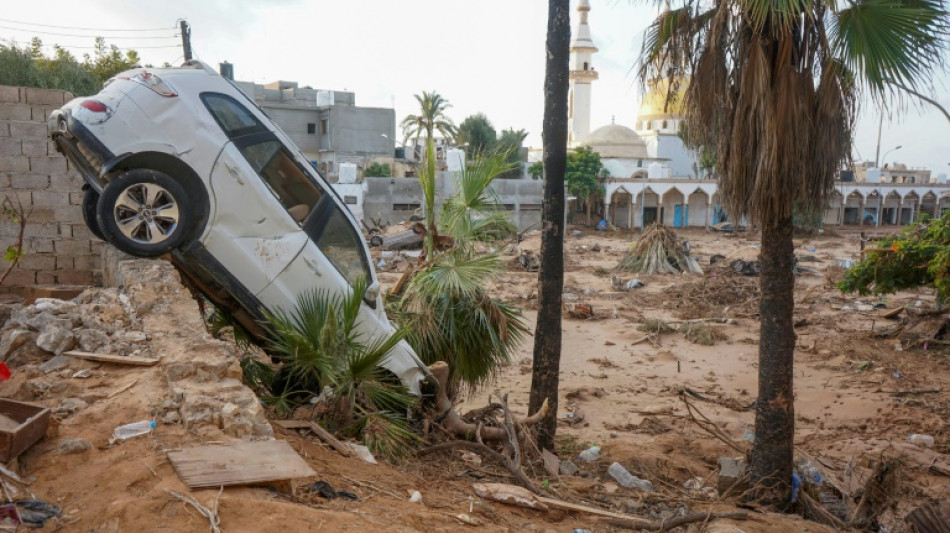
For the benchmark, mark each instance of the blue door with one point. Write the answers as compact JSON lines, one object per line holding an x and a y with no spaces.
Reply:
{"x":680,"y":221}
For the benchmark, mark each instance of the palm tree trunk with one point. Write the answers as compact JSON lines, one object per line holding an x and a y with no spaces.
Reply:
{"x":547,"y":338}
{"x":772,"y":453}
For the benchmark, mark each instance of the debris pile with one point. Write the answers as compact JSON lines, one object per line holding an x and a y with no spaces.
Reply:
{"x":720,"y":293}
{"x":659,"y":251}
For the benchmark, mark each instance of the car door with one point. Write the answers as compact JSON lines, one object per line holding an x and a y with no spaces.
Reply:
{"x":252,"y":235}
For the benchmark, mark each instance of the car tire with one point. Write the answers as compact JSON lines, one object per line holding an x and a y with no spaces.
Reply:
{"x":90,"y":200}
{"x":375,"y":241}
{"x":129,"y":220}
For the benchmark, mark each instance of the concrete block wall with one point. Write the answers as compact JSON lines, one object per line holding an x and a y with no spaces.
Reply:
{"x":59,"y":249}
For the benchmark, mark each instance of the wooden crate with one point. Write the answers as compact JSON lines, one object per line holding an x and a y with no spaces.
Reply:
{"x":34,"y":419}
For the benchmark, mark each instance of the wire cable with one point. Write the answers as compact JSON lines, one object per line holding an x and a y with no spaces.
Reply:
{"x":87,"y":36}
{"x":85,"y":29}
{"x":27,"y":45}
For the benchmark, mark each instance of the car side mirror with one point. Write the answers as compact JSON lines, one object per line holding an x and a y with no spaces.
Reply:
{"x":372,"y":292}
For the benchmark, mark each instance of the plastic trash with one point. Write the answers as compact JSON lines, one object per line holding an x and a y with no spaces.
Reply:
{"x":633,"y":284}
{"x":809,"y":473}
{"x":415,"y":497}
{"x":134,"y":429}
{"x":590,"y":454}
{"x":362,"y":452}
{"x":628,"y":480}
{"x":926,"y":441}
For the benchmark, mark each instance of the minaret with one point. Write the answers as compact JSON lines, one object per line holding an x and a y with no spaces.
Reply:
{"x":582,"y":73}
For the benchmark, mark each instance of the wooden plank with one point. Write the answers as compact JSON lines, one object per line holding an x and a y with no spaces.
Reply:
{"x":589,"y":510}
{"x":324,"y":435}
{"x":239,"y":464}
{"x":107,"y":358}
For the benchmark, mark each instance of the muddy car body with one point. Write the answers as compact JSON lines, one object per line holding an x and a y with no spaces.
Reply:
{"x":180,"y":161}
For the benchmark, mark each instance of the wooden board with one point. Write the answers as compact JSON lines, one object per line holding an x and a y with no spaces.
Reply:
{"x":239,"y":464}
{"x":107,"y":358}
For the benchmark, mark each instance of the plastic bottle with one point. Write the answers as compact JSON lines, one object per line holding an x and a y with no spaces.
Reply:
{"x":590,"y":454}
{"x":810,"y":474}
{"x":926,"y":441}
{"x":626,"y":479}
{"x":134,"y":429}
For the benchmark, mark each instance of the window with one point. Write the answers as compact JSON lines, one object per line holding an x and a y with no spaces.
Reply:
{"x":292,"y":187}
{"x":351,"y":200}
{"x":585,"y":65}
{"x":664,"y":124}
{"x":233,"y":118}
{"x":343,"y":246}
{"x":405,"y":207}
{"x":311,"y":128}
{"x":324,"y":125}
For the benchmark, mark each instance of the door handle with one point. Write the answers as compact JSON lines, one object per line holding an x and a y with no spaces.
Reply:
{"x":234,"y":174}
{"x":313,"y":266}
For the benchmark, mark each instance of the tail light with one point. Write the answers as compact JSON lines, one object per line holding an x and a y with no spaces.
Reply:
{"x":154,"y":83}
{"x":94,"y":105}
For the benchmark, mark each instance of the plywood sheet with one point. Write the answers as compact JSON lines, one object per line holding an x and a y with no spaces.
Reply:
{"x":239,"y":464}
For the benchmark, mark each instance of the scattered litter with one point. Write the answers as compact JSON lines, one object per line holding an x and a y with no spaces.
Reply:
{"x":415,"y":496}
{"x":465,"y":519}
{"x":327,"y":491}
{"x":82,"y":374}
{"x":926,"y":441}
{"x":134,"y":429}
{"x":932,"y":517}
{"x":510,"y":494}
{"x":628,"y":480}
{"x":633,"y":284}
{"x":590,"y":454}
{"x":529,"y":261}
{"x":36,"y":512}
{"x":9,"y":517}
{"x":844,"y":263}
{"x":362,"y":452}
{"x":5,"y":372}
{"x":746,"y":268}
{"x":568,"y":468}
{"x":715,"y":258}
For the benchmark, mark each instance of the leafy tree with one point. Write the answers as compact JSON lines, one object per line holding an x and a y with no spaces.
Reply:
{"x":583,"y":168}
{"x":478,"y":132}
{"x":918,"y":256}
{"x":511,"y":142}
{"x":377,"y":170}
{"x":773,"y":87}
{"x":30,"y":67}
{"x":431,"y":118}
{"x":536,"y":170}
{"x":545,"y":368}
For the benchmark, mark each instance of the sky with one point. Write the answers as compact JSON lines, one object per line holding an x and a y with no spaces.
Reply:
{"x":484,"y":57}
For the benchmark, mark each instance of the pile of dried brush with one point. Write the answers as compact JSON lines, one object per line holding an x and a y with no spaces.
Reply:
{"x":658,"y":250}
{"x":721,"y":293}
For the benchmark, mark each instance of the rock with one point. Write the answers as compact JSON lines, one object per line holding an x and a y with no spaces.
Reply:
{"x":568,"y":468}
{"x":42,"y":320}
{"x":171,"y":417}
{"x":71,"y":446}
{"x":56,"y":339}
{"x":82,"y":374}
{"x":91,"y":339}
{"x":6,"y":311}
{"x":13,"y":339}
{"x":29,"y":353}
{"x":56,"y":363}
{"x":70,"y":406}
{"x":56,"y":306}
{"x":577,"y":233}
{"x":732,"y":476}
{"x":130,"y":337}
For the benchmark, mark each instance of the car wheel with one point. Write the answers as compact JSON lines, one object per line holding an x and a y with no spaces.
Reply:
{"x":144,"y":213}
{"x":375,"y":241}
{"x":90,"y":199}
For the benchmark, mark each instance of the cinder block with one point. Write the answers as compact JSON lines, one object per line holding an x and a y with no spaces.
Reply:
{"x":48,"y":164}
{"x":46,"y":278}
{"x":71,"y":247}
{"x":75,"y":198}
{"x":35,"y":148}
{"x":29,"y":181}
{"x":87,"y":262}
{"x":16,"y":163}
{"x":38,"y":262}
{"x":20,"y":278}
{"x":43,"y":215}
{"x":9,"y":94}
{"x":75,"y":277}
{"x":81,"y":232}
{"x":44,"y":96}
{"x":10,"y":146}
{"x":50,"y":199}
{"x":41,"y":112}
{"x":41,"y":246}
{"x":4,"y":129}
{"x":28,"y":130}
{"x":4,"y":180}
{"x":16,"y":112}
{"x":65,"y":182}
{"x":43,"y":230}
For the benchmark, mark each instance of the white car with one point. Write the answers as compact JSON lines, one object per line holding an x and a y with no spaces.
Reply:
{"x":180,"y":161}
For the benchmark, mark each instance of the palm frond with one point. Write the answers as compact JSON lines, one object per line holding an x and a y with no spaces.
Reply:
{"x":387,"y":434}
{"x":456,"y":274}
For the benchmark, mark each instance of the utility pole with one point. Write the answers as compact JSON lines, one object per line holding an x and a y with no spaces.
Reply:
{"x":877,"y":153}
{"x":186,"y":39}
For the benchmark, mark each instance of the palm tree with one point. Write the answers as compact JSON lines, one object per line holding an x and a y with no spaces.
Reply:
{"x":475,"y":212}
{"x":773,"y":88}
{"x":547,"y":336}
{"x":431,"y":118}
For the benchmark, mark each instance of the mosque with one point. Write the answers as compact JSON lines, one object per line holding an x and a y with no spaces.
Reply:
{"x":654,"y":176}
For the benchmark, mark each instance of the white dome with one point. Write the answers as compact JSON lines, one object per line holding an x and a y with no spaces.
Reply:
{"x":616,"y":141}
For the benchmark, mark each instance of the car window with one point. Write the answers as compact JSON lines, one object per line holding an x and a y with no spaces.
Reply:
{"x":233,"y":118}
{"x":292,"y":187}
{"x":343,"y":246}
